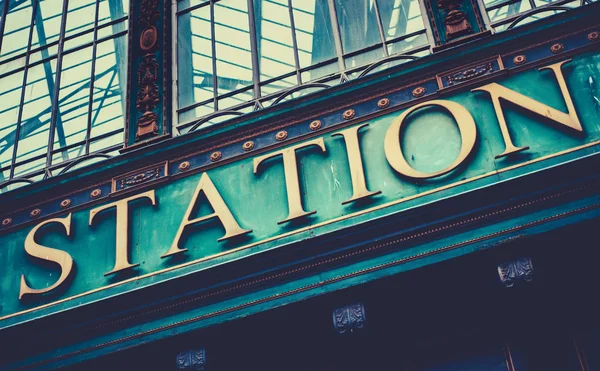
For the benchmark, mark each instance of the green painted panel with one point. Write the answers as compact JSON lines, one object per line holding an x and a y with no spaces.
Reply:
{"x":430,"y":142}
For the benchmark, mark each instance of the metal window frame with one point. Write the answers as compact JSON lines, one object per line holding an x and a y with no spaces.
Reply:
{"x":54,"y":87}
{"x":258,"y":95}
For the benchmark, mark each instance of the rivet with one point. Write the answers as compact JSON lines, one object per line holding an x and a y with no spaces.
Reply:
{"x":520,"y":59}
{"x":383,"y":103}
{"x":216,"y":156}
{"x":6,"y":222}
{"x":65,"y":203}
{"x":282,"y":135}
{"x":185,"y":165}
{"x":35,"y":213}
{"x":248,"y":146}
{"x":557,"y":48}
{"x":348,"y":114}
{"x":594,"y":36}
{"x":96,"y":193}
{"x":315,"y":125}
{"x":418,"y":92}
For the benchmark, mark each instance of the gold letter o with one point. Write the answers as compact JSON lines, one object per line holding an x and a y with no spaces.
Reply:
{"x":393,"y":148}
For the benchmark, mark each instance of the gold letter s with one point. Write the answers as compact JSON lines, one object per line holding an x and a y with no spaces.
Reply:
{"x":59,"y":257}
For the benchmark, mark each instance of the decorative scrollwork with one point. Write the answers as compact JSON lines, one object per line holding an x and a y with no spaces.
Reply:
{"x":191,"y":360}
{"x":349,"y":318}
{"x":148,"y":12}
{"x":147,"y":98}
{"x":470,"y":73}
{"x":455,"y":20}
{"x":514,"y":271}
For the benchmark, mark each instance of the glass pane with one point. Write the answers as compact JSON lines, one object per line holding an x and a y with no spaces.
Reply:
{"x":16,"y":29}
{"x":314,"y":34}
{"x":319,"y":72}
{"x":184,"y":4}
{"x":407,"y":44}
{"x":10,"y":95}
{"x":80,"y":16}
{"x":47,"y":22}
{"x":235,"y":100}
{"x":195,"y":49}
{"x":108,"y":112}
{"x":35,"y":121}
{"x":358,"y":24}
{"x":509,"y":10}
{"x":364,"y":58}
{"x":111,"y":10}
{"x":71,"y":123}
{"x":234,"y":59}
{"x":400,"y":17}
{"x":278,"y":85}
{"x":274,"y":38}
{"x":193,"y":114}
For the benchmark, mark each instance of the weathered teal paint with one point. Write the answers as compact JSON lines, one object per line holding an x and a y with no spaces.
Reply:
{"x":430,"y":142}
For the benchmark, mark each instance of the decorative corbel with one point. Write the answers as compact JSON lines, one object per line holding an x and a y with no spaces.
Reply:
{"x":454,"y":21}
{"x":147,"y":98}
{"x":513,"y":272}
{"x":349,"y":318}
{"x":191,"y":360}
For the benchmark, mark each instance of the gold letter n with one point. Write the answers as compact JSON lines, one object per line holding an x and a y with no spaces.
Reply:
{"x":568,"y":119}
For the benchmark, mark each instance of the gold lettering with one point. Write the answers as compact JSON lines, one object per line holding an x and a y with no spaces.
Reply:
{"x":222,"y":212}
{"x":357,"y":172}
{"x":393,"y":148}
{"x":568,"y":119}
{"x":122,"y":224}
{"x":290,"y":172}
{"x":59,"y":257}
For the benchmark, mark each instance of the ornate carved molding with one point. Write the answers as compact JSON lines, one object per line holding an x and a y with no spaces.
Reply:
{"x":140,"y":177}
{"x":147,"y":98}
{"x":520,"y":270}
{"x":349,"y":318}
{"x":147,"y":73}
{"x":455,"y":19}
{"x":191,"y":360}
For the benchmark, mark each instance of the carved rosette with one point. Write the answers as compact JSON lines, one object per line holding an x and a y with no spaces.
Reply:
{"x":455,"y":19}
{"x":349,"y":318}
{"x":520,"y":270}
{"x":148,"y":96}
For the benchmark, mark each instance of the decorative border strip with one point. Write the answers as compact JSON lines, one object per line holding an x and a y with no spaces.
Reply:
{"x":338,"y":118}
{"x":392,"y":241}
{"x":323,"y":282}
{"x":300,"y":230}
